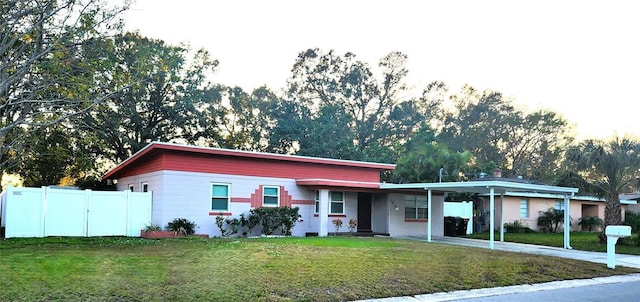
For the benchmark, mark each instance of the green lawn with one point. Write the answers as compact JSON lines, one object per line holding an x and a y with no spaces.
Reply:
{"x":579,"y":240}
{"x":268,"y":269}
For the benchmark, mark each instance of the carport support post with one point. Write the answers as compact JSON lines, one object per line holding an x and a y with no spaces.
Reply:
{"x":567,"y":222}
{"x":429,"y":215}
{"x":323,"y":212}
{"x":492,"y":216}
{"x":501,"y":218}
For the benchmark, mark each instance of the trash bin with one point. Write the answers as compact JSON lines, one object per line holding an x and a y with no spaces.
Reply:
{"x":462,"y":226}
{"x":450,"y":226}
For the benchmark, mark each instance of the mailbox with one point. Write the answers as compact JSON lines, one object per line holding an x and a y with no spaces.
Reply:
{"x":614,"y":232}
{"x":618,"y":231}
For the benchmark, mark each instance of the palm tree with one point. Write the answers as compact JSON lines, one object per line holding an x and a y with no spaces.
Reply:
{"x":550,"y":219}
{"x":590,"y":222}
{"x":609,"y":168}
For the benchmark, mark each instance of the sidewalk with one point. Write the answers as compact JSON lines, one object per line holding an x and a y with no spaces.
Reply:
{"x":596,"y":257}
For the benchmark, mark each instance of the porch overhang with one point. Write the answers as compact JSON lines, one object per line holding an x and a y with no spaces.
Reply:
{"x":491,"y":187}
{"x":345,"y":185}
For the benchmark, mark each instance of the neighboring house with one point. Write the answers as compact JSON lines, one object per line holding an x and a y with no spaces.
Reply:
{"x":526,"y":207}
{"x":633,"y":201}
{"x":200,"y":183}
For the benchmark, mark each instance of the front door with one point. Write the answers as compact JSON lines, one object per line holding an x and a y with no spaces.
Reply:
{"x":364,"y":212}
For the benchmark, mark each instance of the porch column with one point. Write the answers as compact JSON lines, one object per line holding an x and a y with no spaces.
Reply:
{"x":323,"y":212}
{"x":429,"y":210}
{"x":567,"y":222}
{"x":501,"y":218}
{"x":492,"y":216}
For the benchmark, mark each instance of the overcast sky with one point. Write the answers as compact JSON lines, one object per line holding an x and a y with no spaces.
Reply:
{"x":578,"y":58}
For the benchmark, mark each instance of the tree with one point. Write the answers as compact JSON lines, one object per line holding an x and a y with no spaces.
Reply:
{"x":609,"y":168}
{"x":44,"y":75}
{"x":500,"y":135}
{"x":550,"y":219}
{"x":235,"y":119}
{"x":51,"y":154}
{"x":590,"y":222}
{"x":161,"y":104}
{"x":371,"y":108}
{"x":426,"y":160}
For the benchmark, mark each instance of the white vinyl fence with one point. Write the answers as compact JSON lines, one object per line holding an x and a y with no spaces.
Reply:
{"x":41,"y":212}
{"x":461,"y":209}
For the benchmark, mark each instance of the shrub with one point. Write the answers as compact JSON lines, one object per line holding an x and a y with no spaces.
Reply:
{"x":353,"y":225}
{"x":182,"y":226}
{"x":337,"y":223}
{"x":632,"y":219}
{"x":550,"y":219}
{"x":228,"y":226}
{"x":274,"y":219}
{"x":517,"y":227}
{"x":150,"y":227}
{"x":590,"y":222}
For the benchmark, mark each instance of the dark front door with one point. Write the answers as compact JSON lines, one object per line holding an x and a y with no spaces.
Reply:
{"x":364,"y":212}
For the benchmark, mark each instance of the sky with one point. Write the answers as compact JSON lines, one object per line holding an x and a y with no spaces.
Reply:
{"x":578,"y":58}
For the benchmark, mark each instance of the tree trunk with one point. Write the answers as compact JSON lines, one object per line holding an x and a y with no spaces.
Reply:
{"x":612,"y":214}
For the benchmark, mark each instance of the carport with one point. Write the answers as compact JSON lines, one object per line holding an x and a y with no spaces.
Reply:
{"x":492,"y":188}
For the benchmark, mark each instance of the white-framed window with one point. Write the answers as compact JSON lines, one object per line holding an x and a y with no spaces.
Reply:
{"x":220,"y":194}
{"x":415,"y":207}
{"x":336,"y":203}
{"x":524,"y":208}
{"x":559,"y":205}
{"x":270,"y":196}
{"x":144,"y":187}
{"x":130,"y":186}
{"x":317,"y":207}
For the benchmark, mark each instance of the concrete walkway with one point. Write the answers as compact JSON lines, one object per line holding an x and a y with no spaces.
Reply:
{"x":596,"y":257}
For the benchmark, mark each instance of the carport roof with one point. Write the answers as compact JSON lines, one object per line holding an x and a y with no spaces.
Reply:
{"x":483,"y":186}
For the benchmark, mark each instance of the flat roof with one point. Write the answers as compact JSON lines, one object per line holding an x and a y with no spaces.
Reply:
{"x":500,"y":187}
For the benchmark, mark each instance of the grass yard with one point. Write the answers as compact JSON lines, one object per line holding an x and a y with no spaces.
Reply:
{"x":266,"y":269}
{"x":579,"y":240}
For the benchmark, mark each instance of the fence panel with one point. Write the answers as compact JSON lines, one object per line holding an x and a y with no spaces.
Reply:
{"x":139,"y":212}
{"x":39,"y":212}
{"x":24,"y":209}
{"x":66,"y":212}
{"x":107,"y":214}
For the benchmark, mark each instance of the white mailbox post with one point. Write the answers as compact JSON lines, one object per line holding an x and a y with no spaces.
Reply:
{"x":614,"y":232}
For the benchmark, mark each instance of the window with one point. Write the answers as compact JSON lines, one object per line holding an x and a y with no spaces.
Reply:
{"x":130,"y":186}
{"x":145,"y":187}
{"x":220,"y":197}
{"x":415,"y":207}
{"x":559,"y":205}
{"x":271,"y":196}
{"x":524,"y":208}
{"x":336,"y":204}
{"x":317,"y":210}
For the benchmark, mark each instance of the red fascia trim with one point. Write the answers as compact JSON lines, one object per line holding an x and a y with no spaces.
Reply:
{"x":246,"y":154}
{"x":220,"y":214}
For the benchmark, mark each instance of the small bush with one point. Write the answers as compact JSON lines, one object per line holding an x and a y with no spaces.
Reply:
{"x":152,"y":227}
{"x":632,"y":219}
{"x":517,"y":227}
{"x":182,"y":226}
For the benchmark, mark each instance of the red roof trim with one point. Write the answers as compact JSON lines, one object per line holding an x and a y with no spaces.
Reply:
{"x":246,"y":154}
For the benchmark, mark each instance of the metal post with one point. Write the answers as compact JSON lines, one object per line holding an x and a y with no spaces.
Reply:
{"x":429,"y":210}
{"x":492,"y":215}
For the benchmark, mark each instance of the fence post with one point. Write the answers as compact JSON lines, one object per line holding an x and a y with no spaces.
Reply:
{"x":43,"y":210}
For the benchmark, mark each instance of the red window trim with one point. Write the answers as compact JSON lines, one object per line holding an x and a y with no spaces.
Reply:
{"x":416,"y":220}
{"x":220,"y":213}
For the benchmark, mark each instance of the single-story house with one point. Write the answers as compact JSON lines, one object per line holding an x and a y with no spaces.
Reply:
{"x":525,"y":207}
{"x":200,"y":183}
